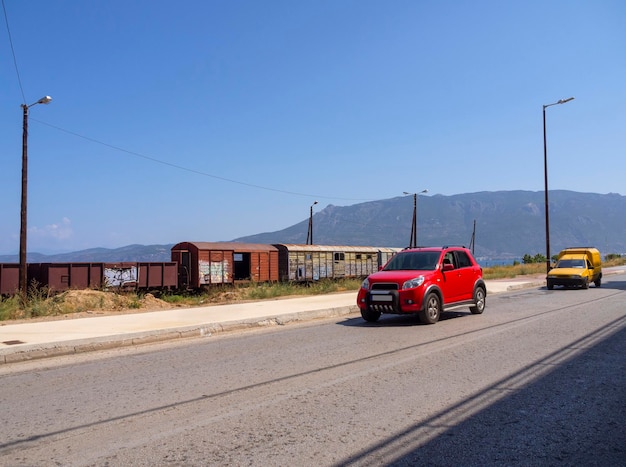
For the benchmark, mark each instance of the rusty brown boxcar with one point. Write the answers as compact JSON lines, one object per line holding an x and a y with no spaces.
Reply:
{"x":158,"y":275}
{"x":126,"y":275}
{"x":140,"y":275}
{"x":207,"y":263}
{"x":63,"y":276}
{"x":9,"y":278}
{"x":305,"y":263}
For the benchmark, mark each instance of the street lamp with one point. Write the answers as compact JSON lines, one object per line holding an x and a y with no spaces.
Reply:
{"x":413,"y":241}
{"x":309,"y":235}
{"x":23,"y":285}
{"x":545,"y":175}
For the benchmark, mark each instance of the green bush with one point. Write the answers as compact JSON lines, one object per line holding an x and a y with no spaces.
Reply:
{"x":538,"y":258}
{"x":10,"y":308}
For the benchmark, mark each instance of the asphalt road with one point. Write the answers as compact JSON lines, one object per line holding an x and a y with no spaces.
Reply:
{"x":538,"y":379}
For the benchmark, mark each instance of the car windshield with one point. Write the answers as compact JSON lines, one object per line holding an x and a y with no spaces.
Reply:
{"x":414,"y":260}
{"x":571,"y":263}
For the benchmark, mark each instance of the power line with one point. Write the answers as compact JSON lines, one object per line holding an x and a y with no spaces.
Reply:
{"x":17,"y":71}
{"x":197,"y":172}
{"x":152,"y":159}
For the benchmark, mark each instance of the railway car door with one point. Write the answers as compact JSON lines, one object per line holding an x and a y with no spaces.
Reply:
{"x":184,"y":268}
{"x":241,"y":266}
{"x":370,"y":266}
{"x":339,"y":264}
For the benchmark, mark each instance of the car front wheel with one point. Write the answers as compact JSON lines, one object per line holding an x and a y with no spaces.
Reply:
{"x":480,"y":301}
{"x":369,"y":315}
{"x":432,"y":309}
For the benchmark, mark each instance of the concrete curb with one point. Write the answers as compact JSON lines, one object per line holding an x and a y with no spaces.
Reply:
{"x":526,"y":285}
{"x":37,"y":351}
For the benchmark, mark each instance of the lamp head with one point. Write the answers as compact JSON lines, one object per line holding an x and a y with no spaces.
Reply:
{"x":44,"y":100}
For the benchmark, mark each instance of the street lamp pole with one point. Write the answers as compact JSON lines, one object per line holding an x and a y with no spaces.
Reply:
{"x":545,"y":177}
{"x":309,"y":235}
{"x":23,"y":285}
{"x":413,"y":239}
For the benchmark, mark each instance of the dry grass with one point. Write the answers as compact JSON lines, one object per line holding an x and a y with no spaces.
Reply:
{"x":76,"y":303}
{"x":513,"y":270}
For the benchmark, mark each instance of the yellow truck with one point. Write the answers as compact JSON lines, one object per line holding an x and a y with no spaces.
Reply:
{"x":576,"y":267}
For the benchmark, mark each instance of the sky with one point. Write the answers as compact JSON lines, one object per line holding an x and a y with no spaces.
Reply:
{"x":208,"y":120}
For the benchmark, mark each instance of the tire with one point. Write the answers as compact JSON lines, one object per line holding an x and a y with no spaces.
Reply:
{"x":585,"y":284}
{"x":432,"y":309}
{"x":598,"y":283}
{"x":550,"y":285}
{"x":369,"y":315}
{"x":480,"y":301}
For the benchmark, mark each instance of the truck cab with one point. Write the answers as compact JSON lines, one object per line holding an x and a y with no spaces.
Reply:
{"x":576,"y":267}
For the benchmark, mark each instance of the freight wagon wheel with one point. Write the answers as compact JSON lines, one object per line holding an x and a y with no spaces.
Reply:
{"x":432,"y":310}
{"x":370,"y":315}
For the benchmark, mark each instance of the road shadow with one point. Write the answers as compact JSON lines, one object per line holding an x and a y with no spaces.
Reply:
{"x":401,"y":320}
{"x":617,"y":285}
{"x":611,"y":285}
{"x":572,"y":415}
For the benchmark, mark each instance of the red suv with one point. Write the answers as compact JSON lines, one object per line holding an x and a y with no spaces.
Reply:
{"x":425,"y":281}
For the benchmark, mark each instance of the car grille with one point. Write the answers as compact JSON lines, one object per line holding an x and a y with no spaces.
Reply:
{"x":385,"y":286}
{"x":383,"y":308}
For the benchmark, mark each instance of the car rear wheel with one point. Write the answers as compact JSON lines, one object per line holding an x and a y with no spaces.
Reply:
{"x":480,"y":301}
{"x":598,"y":283}
{"x":432,"y":309}
{"x":369,"y":315}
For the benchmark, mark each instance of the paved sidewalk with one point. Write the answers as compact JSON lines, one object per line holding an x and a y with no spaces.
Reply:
{"x":27,"y":341}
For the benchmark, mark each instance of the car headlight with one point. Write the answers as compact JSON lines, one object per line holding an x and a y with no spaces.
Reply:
{"x":412,"y":283}
{"x":365,"y":284}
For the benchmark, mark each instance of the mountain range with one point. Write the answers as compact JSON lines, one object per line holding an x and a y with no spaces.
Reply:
{"x":502,"y":224}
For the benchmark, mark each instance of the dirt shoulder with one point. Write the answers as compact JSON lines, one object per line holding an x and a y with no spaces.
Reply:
{"x":75,"y":304}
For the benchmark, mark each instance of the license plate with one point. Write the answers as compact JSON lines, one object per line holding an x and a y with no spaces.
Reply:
{"x":382,"y":298}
